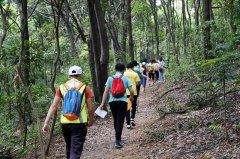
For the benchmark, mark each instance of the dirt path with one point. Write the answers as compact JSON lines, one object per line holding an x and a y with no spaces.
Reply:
{"x":100,"y":138}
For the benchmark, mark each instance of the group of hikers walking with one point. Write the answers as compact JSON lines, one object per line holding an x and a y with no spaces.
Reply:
{"x":122,"y":91}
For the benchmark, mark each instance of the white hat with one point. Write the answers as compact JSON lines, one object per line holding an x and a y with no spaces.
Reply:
{"x":75,"y":70}
{"x":143,"y":63}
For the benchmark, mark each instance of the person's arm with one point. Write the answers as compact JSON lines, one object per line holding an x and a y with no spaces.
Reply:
{"x":90,"y":111}
{"x":51,"y":111}
{"x":131,"y":93}
{"x":104,"y":98}
{"x":144,"y":76}
{"x":138,"y":81}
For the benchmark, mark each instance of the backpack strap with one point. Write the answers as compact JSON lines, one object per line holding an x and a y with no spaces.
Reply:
{"x":118,"y":77}
{"x":76,"y":88}
{"x":83,"y":95}
{"x":67,"y":86}
{"x":79,"y":86}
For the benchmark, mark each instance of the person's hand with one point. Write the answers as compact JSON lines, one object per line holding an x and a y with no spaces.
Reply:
{"x":90,"y":123}
{"x":101,"y":106}
{"x":45,"y":128}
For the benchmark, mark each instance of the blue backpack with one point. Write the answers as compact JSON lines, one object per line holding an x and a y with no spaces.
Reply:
{"x":72,"y":102}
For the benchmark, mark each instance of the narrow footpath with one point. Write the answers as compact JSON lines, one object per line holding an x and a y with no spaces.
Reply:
{"x":100,"y":138}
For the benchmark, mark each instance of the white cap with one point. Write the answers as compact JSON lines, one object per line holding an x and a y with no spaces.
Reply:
{"x":75,"y":70}
{"x":144,"y":63}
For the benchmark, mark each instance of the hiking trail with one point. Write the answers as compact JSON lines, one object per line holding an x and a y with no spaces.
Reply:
{"x":180,"y":134}
{"x":100,"y":137}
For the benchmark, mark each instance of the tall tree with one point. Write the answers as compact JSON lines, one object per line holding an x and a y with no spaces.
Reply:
{"x":100,"y":43}
{"x":4,"y":24}
{"x":130,"y":35}
{"x":207,"y":4}
{"x":25,"y":53}
{"x":184,"y":26}
{"x":69,"y":28}
{"x":156,"y":26}
{"x":56,"y":10}
{"x":196,"y":12}
{"x":124,"y":31}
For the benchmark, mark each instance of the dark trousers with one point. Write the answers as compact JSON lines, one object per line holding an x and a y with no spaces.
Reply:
{"x":119,"y":109}
{"x":138,"y":89}
{"x":151,"y":75}
{"x":74,"y":135}
{"x":133,"y":110}
{"x":157,"y":75}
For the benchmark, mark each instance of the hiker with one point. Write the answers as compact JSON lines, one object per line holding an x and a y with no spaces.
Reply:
{"x":161,"y":69}
{"x":116,"y":86}
{"x":144,"y":70}
{"x":74,"y":123}
{"x":139,"y":71}
{"x":151,"y":72}
{"x":135,"y":81}
{"x":156,"y":69}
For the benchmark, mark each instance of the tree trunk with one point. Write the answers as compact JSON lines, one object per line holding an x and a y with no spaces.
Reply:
{"x":130,"y":36}
{"x":156,"y":25}
{"x":75,"y":21}
{"x":56,"y":9}
{"x":207,"y":29}
{"x":231,"y":18}
{"x":4,"y":25}
{"x":69,"y":29}
{"x":25,"y":57}
{"x":184,"y":19}
{"x":96,"y":45}
{"x":169,"y":13}
{"x":97,"y":94}
{"x":116,"y":46}
{"x":104,"y":58}
{"x":196,"y":13}
{"x":124,"y":33}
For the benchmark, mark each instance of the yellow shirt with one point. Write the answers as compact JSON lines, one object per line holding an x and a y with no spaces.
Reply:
{"x":134,"y":79}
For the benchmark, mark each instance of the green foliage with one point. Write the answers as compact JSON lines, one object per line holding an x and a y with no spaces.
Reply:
{"x":212,"y":75}
{"x":177,"y":73}
{"x":24,"y":151}
{"x":215,"y":129}
{"x":159,"y":134}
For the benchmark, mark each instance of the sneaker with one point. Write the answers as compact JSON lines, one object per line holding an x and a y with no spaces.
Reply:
{"x":118,"y":144}
{"x":132,"y":122}
{"x":129,"y":126}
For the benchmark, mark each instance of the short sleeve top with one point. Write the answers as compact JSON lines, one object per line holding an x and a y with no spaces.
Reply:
{"x":126,"y":82}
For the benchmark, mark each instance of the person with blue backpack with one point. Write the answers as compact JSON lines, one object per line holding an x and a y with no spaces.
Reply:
{"x":115,"y":87}
{"x":77,"y":112}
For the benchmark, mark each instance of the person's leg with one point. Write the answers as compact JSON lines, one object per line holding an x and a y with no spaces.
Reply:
{"x":67,"y":137}
{"x":138,"y":89}
{"x":159,"y":72}
{"x":79,"y":132}
{"x":141,"y":79}
{"x":157,"y":75}
{"x":128,"y":118}
{"x":133,"y":111}
{"x":144,"y":83}
{"x":161,"y":76}
{"x":113,"y":108}
{"x":121,"y":113}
